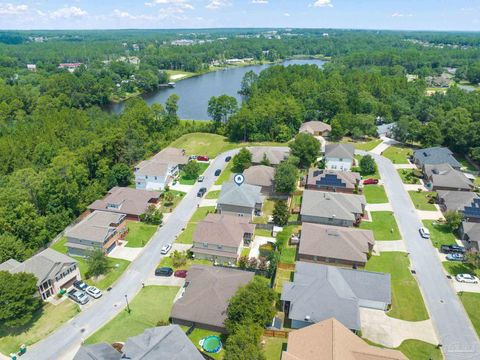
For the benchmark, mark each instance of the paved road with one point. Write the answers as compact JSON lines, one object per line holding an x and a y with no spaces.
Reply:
{"x":64,"y":341}
{"x":454,"y":329}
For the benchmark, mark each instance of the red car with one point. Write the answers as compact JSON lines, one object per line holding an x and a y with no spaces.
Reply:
{"x":202,"y":158}
{"x":370,"y":182}
{"x":180,"y":273}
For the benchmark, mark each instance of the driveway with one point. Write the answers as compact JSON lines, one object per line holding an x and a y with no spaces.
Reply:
{"x":257,"y":242}
{"x":180,"y":187}
{"x":379,"y":207}
{"x":384,"y":246}
{"x":323,"y":142}
{"x":208,"y":202}
{"x":165,"y":281}
{"x":430,"y":215}
{"x":125,"y":253}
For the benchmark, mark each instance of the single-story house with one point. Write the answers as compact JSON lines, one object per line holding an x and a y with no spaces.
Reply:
{"x":206,"y":296}
{"x":263,"y":176}
{"x":160,"y":170}
{"x":335,"y":245}
{"x":452,"y":200}
{"x":54,"y":271}
{"x":331,"y":340}
{"x":315,"y":128}
{"x":220,"y":238}
{"x":274,"y":154}
{"x":240,"y":200}
{"x":339,"y":156}
{"x":435,"y":156}
{"x":162,"y":342}
{"x":332,"y":208}
{"x":471,"y":212}
{"x":125,"y":200}
{"x":385,"y":129}
{"x":332,"y":180}
{"x":99,"y":230}
{"x":445,"y":177}
{"x":319,"y":292}
{"x":470,"y":232}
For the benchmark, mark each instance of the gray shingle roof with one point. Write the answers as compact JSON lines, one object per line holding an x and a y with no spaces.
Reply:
{"x":337,"y":150}
{"x":244,"y":195}
{"x":434,"y":156}
{"x":275,"y":154}
{"x":102,"y":351}
{"x":96,"y":227}
{"x":337,"y":178}
{"x":456,"y":200}
{"x":331,"y":204}
{"x":259,"y":175}
{"x":472,"y":230}
{"x":444,"y":175}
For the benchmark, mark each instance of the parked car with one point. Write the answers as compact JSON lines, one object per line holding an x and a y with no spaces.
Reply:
{"x":201,"y":178}
{"x":180,"y":273}
{"x":455,"y":257}
{"x":449,"y":249}
{"x":80,"y":285}
{"x":165,"y":249}
{"x":424,"y":233}
{"x":164,"y":271}
{"x":466,"y":278}
{"x":202,"y":158}
{"x":192,"y":157}
{"x":228,"y":158}
{"x":201,"y":191}
{"x":78,"y":296}
{"x":94,"y":292}
{"x":370,"y":181}
{"x":218,"y":172}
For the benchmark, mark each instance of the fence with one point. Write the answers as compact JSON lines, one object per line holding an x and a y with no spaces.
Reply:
{"x":276,"y":333}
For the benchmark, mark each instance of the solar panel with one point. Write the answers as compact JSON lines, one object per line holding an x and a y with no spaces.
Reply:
{"x":330,"y":180}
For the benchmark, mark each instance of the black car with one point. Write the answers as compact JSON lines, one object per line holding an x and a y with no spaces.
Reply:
{"x":218,"y":172}
{"x":201,"y":192}
{"x":452,"y":249}
{"x":164,"y":271}
{"x":228,"y":158}
{"x":80,"y":285}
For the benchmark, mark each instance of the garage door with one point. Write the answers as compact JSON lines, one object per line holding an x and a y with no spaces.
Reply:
{"x":68,"y":283}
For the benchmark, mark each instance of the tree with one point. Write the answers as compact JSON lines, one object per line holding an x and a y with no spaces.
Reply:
{"x":280,"y":213}
{"x":430,"y":135}
{"x":367,"y":165}
{"x":97,"y":263}
{"x":265,"y":161}
{"x":286,"y":174}
{"x":18,"y":298}
{"x":473,"y":73}
{"x":191,"y":170}
{"x":171,"y":106}
{"x":453,"y":219}
{"x":306,"y":148}
{"x":152,"y":215}
{"x":244,"y":343}
{"x":220,"y":108}
{"x":242,"y":160}
{"x":168,"y":197}
{"x":248,"y":81}
{"x":473,"y":258}
{"x":120,"y":175}
{"x":11,"y":248}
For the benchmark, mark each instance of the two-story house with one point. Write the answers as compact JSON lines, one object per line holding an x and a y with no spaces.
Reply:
{"x":240,"y":200}
{"x":339,"y":156}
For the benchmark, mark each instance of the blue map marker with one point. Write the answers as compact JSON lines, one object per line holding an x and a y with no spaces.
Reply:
{"x":238,"y":179}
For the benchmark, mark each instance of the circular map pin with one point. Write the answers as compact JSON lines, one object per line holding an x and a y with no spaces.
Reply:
{"x":239,"y":179}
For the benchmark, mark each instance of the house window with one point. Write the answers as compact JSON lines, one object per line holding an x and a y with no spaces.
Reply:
{"x":155,"y":178}
{"x":220,"y":247}
{"x":341,"y":159}
{"x":205,"y":244}
{"x":146,"y":176}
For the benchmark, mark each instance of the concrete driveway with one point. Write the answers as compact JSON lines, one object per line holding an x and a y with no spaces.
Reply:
{"x":125,"y":253}
{"x":430,"y":215}
{"x":208,"y":202}
{"x":385,"y":246}
{"x":164,"y":280}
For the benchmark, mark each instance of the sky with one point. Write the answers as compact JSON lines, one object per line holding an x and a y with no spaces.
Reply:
{"x":162,"y":14}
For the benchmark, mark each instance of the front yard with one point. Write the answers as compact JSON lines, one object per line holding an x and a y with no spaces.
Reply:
{"x":398,"y":154}
{"x":440,"y":234}
{"x":375,"y":194}
{"x":421,"y":200}
{"x":364,"y":145}
{"x":455,"y":268}
{"x":139,"y":233}
{"x":187,"y":235}
{"x":416,"y":350}
{"x":409,"y":176}
{"x":383,"y":225}
{"x":213,"y":194}
{"x":226,"y":174}
{"x":168,"y":262}
{"x":151,"y":305}
{"x":375,"y":175}
{"x":177,"y":197}
{"x":407,"y":301}
{"x":184,"y":180}
{"x":471,"y":302}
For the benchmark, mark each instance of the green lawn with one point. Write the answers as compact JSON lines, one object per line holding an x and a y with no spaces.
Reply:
{"x":416,"y":350}
{"x":151,"y":305}
{"x":397,"y":154}
{"x":225,"y":175}
{"x":168,"y":262}
{"x":201,"y":213}
{"x":289,"y":254}
{"x":465,"y":163}
{"x":267,"y":211}
{"x":471,"y":302}
{"x":281,"y":276}
{"x":421,"y":200}
{"x":408,"y":176}
{"x":45,"y":321}
{"x":439,"y":233}
{"x":384,"y":226}
{"x":187,"y":181}
{"x":363,"y":145}
{"x":273,"y":347}
{"x":407,"y":301}
{"x":139,"y":233}
{"x":375,"y":175}
{"x":263,"y":232}
{"x":213,"y":194}
{"x":245,"y":252}
{"x":198,"y":334}
{"x":455,"y":268}
{"x":178,"y":196}
{"x":186,"y":236}
{"x":375,"y":194}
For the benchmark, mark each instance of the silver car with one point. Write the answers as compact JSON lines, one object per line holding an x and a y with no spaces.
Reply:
{"x":424,"y":233}
{"x":466,"y":278}
{"x":94,"y":292}
{"x":165,"y":249}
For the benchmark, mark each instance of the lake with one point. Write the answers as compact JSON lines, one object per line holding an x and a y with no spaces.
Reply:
{"x":195,"y":92}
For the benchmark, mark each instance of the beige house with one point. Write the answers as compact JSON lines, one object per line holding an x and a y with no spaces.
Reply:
{"x":315,"y":128}
{"x":263,"y":176}
{"x":274,"y":154}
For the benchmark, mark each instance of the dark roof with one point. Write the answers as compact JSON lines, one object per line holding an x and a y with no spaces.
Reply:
{"x":333,"y":178}
{"x":456,"y":200}
{"x":102,"y":351}
{"x":245,"y":195}
{"x":339,"y":150}
{"x":434,"y":156}
{"x":472,"y":230}
{"x":444,"y":175}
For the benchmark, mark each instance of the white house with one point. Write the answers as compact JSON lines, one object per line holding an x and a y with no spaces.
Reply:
{"x":339,"y":156}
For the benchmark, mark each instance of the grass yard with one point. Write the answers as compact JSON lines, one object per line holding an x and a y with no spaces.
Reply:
{"x":186,"y":236}
{"x":263,"y":232}
{"x":455,"y":268}
{"x":407,"y":301}
{"x":267,"y":211}
{"x":416,"y":350}
{"x":465,"y":163}
{"x":201,"y":213}
{"x":198,"y":334}
{"x":471,"y":302}
{"x":273,"y":347}
{"x":375,"y":194}
{"x":245,"y":252}
{"x":168,"y":262}
{"x":398,"y":154}
{"x":439,"y":233}
{"x":365,"y":145}
{"x":139,"y":233}
{"x":384,"y":226}
{"x":408,"y":176}
{"x":213,"y":194}
{"x":186,"y":181}
{"x":151,"y":305}
{"x":281,"y":276}
{"x":421,"y":200}
{"x":288,"y":254}
{"x":375,"y":175}
{"x":225,"y":175}
{"x":178,"y":196}
{"x":45,"y":321}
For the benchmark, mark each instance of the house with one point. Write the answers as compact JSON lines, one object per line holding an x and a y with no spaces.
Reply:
{"x":470,"y":233}
{"x":32,"y":67}
{"x":220,"y":238}
{"x":263,"y":176}
{"x":385,"y":129}
{"x":445,"y":177}
{"x":273,"y":154}
{"x":206,"y":296}
{"x":99,"y":230}
{"x":128,"y":201}
{"x":54,"y":271}
{"x":160,"y":170}
{"x":472,"y":212}
{"x":319,"y":292}
{"x":335,"y":245}
{"x":162,"y":342}
{"x":332,"y":208}
{"x":435,"y":156}
{"x":339,"y":156}
{"x":330,"y":340}
{"x":240,"y":200}
{"x":71,"y":67}
{"x":332,"y":180}
{"x":315,"y":128}
{"x":451,"y":200}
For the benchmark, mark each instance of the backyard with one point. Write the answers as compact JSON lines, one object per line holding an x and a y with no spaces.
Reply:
{"x":186,"y":236}
{"x":184,"y":180}
{"x":407,"y":301}
{"x":440,"y":234}
{"x":267,"y":211}
{"x":471,"y":302}
{"x":375,"y":194}
{"x":281,"y":276}
{"x":274,"y":346}
{"x":139,"y":233}
{"x":421,"y":200}
{"x":398,"y":154}
{"x":198,"y":334}
{"x":383,"y":225}
{"x":151,"y":305}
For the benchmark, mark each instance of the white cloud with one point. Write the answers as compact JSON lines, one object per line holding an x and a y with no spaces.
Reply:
{"x":401,"y":15}
{"x":322,"y":3}
{"x":68,"y":12}
{"x":286,"y":14}
{"x":171,"y":4}
{"x":217,"y":4}
{"x":259,"y":1}
{"x":11,"y":9}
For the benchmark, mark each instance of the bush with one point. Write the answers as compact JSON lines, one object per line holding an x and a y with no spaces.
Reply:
{"x":242,"y":160}
{"x":280,"y":213}
{"x":152,"y":216}
{"x":266,"y":249}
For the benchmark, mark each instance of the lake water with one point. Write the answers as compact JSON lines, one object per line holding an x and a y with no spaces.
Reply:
{"x":195,"y":92}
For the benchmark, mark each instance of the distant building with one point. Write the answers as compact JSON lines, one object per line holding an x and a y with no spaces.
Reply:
{"x":71,"y":67}
{"x":339,"y":156}
{"x":315,"y":128}
{"x":32,"y":67}
{"x":274,"y":154}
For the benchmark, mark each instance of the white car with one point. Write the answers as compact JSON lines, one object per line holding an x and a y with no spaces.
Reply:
{"x":424,"y":233}
{"x":201,"y":178}
{"x":94,"y":292}
{"x":466,"y":278}
{"x":165,"y":249}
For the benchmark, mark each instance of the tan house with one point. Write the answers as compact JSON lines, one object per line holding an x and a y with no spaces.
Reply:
{"x":220,"y":238}
{"x":330,"y":340}
{"x":54,"y":271}
{"x":315,"y":128}
{"x":263,"y":176}
{"x":274,"y":154}
{"x":333,"y":180}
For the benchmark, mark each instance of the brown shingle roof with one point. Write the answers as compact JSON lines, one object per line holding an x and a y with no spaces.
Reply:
{"x":225,"y":230}
{"x":96,"y":227}
{"x":259,"y":175}
{"x":274,"y":154}
{"x":171,"y":155}
{"x":350,"y":179}
{"x":444,"y":175}
{"x":314,"y":126}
